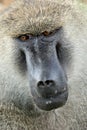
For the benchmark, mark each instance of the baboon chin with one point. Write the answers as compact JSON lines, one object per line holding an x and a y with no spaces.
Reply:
{"x":43,"y":65}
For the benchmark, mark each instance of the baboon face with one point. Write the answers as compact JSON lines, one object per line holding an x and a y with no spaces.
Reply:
{"x":38,"y":36}
{"x":47,"y":78}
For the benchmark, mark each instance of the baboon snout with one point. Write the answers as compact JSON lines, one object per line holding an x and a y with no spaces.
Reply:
{"x":48,"y":88}
{"x":50,"y":95}
{"x":47,"y":78}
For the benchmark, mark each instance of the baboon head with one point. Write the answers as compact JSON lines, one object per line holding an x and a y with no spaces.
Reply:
{"x":36,"y":30}
{"x":47,"y":78}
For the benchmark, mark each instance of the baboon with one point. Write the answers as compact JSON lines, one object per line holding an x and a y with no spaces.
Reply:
{"x":43,"y":65}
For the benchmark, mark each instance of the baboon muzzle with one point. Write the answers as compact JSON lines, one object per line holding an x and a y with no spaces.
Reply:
{"x":48,"y":82}
{"x":47,"y":78}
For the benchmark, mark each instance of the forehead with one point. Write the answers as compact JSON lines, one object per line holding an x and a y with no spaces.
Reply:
{"x":34,"y":16}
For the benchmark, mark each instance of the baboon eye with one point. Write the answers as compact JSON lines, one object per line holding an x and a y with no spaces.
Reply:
{"x":46,"y":33}
{"x":24,"y":38}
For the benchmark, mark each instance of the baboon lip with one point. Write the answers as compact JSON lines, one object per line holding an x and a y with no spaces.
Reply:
{"x":51,"y":103}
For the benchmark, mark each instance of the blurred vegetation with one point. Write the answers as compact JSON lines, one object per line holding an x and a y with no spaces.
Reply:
{"x":5,"y":2}
{"x":83,"y":5}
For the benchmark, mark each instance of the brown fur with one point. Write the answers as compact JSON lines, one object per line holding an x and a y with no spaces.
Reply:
{"x":34,"y":14}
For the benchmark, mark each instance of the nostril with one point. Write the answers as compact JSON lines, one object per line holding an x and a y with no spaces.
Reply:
{"x":49,"y":83}
{"x":44,"y":84}
{"x":40,"y":84}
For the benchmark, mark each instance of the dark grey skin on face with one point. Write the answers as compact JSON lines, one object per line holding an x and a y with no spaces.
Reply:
{"x":47,"y":78}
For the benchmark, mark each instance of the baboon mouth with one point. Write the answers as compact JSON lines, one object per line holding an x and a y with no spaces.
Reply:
{"x":51,"y":103}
